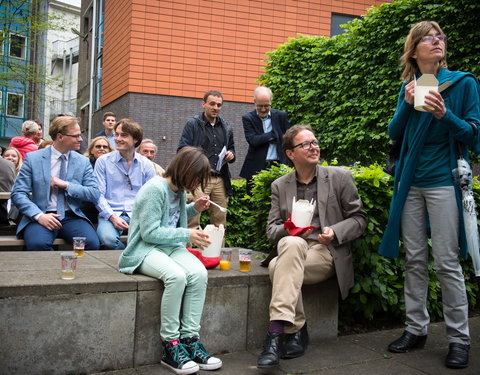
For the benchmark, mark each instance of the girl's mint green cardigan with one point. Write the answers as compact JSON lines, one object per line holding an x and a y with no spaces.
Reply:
{"x":149,"y":228}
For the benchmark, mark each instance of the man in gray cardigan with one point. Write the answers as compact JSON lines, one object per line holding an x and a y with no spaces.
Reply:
{"x":307,"y":255}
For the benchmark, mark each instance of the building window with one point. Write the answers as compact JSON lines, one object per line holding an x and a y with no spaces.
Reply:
{"x":18,"y":46}
{"x":2,"y":42}
{"x":14,"y":104}
{"x":337,"y":20}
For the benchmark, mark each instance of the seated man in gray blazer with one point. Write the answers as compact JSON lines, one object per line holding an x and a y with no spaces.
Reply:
{"x":264,"y":128}
{"x":58,"y":180}
{"x":307,"y":256}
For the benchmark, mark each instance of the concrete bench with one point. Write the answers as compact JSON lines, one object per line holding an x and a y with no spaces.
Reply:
{"x":105,"y":320}
{"x":10,"y":242}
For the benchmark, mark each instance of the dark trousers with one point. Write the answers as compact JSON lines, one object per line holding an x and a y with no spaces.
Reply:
{"x":37,"y":237}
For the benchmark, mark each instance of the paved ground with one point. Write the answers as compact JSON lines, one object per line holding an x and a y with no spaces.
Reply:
{"x":363,"y":354}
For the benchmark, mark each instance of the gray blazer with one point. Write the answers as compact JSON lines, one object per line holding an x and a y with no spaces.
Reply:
{"x":339,"y":207}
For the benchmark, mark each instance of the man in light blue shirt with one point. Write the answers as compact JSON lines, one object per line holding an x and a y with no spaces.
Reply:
{"x":120,"y":175}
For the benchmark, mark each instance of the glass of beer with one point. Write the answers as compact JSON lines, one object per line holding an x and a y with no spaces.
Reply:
{"x":79,"y":246}
{"x":69,"y":265}
{"x":225,"y":259}
{"x":245,"y":258}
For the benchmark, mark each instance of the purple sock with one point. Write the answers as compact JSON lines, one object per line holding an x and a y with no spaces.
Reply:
{"x":276,"y":326}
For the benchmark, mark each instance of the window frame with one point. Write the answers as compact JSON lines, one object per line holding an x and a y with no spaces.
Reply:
{"x":20,"y":108}
{"x":24,"y":48}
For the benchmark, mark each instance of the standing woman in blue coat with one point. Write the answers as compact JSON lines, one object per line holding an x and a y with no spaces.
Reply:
{"x":156,"y":247}
{"x":425,"y":194}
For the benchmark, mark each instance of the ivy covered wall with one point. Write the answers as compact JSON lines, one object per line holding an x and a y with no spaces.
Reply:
{"x":346,"y":86}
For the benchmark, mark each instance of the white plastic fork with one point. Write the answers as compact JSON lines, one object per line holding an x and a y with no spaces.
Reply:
{"x":223,"y":209}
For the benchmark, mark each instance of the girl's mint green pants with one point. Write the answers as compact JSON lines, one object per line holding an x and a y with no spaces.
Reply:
{"x":185,"y":281}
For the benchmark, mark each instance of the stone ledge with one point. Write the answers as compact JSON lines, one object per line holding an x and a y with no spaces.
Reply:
{"x":105,"y":320}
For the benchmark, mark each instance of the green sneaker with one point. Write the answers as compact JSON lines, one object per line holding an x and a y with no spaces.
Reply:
{"x":199,"y":355}
{"x":177,"y":359}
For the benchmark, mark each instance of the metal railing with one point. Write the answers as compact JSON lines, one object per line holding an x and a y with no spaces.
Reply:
{"x":67,"y":46}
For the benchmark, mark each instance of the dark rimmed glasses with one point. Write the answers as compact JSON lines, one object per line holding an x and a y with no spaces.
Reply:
{"x":307,"y":144}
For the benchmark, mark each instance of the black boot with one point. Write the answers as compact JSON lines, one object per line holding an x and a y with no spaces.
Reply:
{"x":457,"y":356}
{"x":296,"y":343}
{"x":272,"y":350}
{"x":406,"y":342}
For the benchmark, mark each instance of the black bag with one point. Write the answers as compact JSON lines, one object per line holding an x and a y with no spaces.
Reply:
{"x":393,"y":156}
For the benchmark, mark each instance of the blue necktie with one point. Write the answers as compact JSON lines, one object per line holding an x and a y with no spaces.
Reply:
{"x":61,"y":192}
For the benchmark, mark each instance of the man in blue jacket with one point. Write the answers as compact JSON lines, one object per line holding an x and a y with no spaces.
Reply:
{"x":59,"y":181}
{"x":215,"y":136}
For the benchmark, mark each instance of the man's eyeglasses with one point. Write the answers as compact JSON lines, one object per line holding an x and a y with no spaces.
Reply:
{"x":430,"y":38}
{"x":73,"y":135}
{"x":307,"y":144}
{"x":263,"y":105}
{"x":101,"y":146}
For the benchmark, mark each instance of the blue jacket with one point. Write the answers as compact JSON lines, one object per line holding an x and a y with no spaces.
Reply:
{"x":463,"y":107}
{"x":34,"y":177}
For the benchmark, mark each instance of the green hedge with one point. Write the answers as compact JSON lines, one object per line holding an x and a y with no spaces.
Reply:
{"x":378,"y":289}
{"x":346,"y":86}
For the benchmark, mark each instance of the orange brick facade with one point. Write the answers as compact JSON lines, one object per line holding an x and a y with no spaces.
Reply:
{"x":184,"y":48}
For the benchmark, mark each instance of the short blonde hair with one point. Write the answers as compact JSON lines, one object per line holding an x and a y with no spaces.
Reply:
{"x":60,"y":125}
{"x":89,"y":153}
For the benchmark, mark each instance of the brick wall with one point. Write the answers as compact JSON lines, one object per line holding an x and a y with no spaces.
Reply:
{"x":163,"y":118}
{"x":184,"y":48}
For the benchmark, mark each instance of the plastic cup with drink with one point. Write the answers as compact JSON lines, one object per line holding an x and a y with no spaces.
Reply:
{"x":79,"y":246}
{"x":245,"y":258}
{"x":69,"y":265}
{"x":225,"y":259}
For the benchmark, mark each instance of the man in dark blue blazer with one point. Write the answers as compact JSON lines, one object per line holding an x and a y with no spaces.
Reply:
{"x":59,"y":181}
{"x":264,"y":128}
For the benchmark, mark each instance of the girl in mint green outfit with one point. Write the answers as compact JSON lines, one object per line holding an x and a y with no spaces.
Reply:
{"x":156,"y":247}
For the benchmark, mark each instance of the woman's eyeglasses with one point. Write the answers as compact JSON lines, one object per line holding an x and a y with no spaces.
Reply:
{"x":430,"y":38}
{"x":105,"y":147}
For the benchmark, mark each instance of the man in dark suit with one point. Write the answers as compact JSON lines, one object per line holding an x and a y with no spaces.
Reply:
{"x":303,"y":255}
{"x":58,"y":181}
{"x":264,"y":128}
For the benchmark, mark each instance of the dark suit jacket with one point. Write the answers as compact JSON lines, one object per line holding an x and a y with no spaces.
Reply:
{"x":34,"y":177}
{"x":7,"y":177}
{"x":339,"y":207}
{"x":258,"y":141}
{"x":193,"y":134}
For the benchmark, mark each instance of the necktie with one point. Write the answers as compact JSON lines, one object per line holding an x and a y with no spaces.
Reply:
{"x":61,"y":192}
